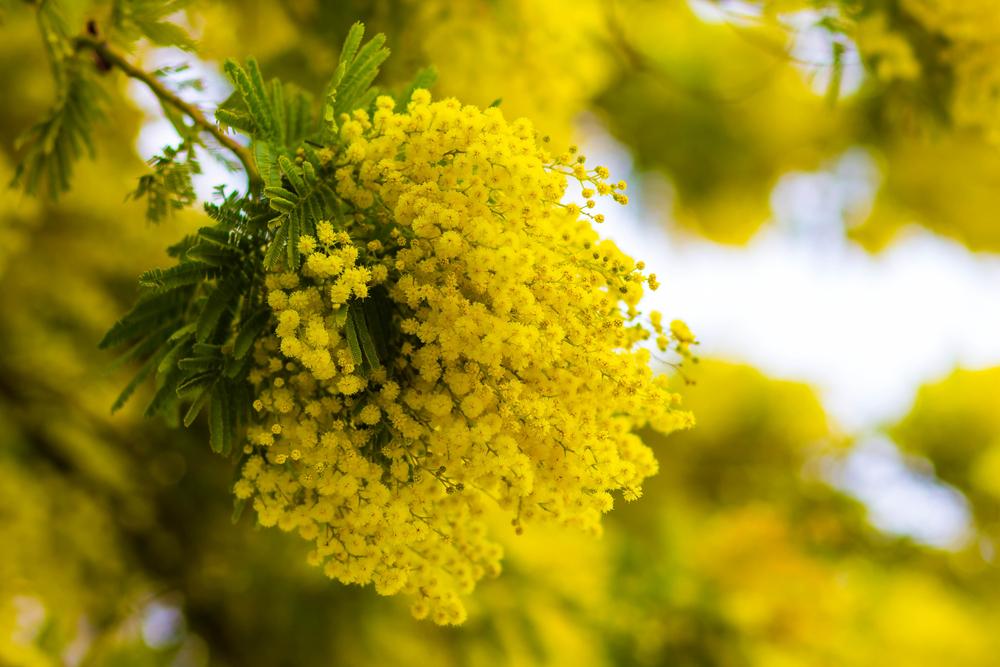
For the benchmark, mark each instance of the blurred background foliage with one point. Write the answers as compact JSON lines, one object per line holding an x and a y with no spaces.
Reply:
{"x":118,"y":544}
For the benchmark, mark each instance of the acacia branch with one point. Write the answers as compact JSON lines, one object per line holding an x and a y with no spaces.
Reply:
{"x":112,"y":58}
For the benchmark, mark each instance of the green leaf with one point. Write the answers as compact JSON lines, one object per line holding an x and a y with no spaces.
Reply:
{"x":192,"y":382}
{"x":267,"y":163}
{"x":276,"y":249}
{"x":138,"y":379}
{"x":360,"y":74}
{"x":184,"y":332}
{"x":236,"y":120}
{"x":146,"y":345}
{"x":169,"y":187}
{"x":188,"y":273}
{"x":204,"y":363}
{"x":281,"y":204}
{"x":293,"y":174}
{"x":212,"y":254}
{"x":237,"y":368}
{"x":356,"y":70}
{"x":351,"y":43}
{"x":279,"y":109}
{"x":222,"y":299}
{"x":292,"y":242}
{"x":299,"y":209}
{"x":166,"y":33}
{"x":217,"y":420}
{"x":280,"y":192}
{"x":53,"y":146}
{"x":238,"y":505}
{"x":146,"y":316}
{"x":351,"y":334}
{"x":300,"y":116}
{"x":309,"y":173}
{"x":265,"y":117}
{"x":250,"y":85}
{"x":166,"y":394}
{"x":250,"y":330}
{"x":169,"y":360}
{"x":377,"y":317}
{"x":196,"y":407}
{"x":134,"y":19}
{"x":357,"y":314}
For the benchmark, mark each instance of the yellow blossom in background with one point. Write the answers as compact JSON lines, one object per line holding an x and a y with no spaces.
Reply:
{"x":544,"y":60}
{"x":891,"y":55}
{"x":747,"y":111}
{"x":955,"y":424}
{"x":16,"y":219}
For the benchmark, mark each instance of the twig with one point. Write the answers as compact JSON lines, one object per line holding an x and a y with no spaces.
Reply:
{"x":112,"y":57}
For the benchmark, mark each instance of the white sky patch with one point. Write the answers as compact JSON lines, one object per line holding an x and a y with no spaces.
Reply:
{"x":157,"y":131}
{"x":162,"y":625}
{"x":812,"y":53}
{"x":726,"y":11}
{"x":801,"y":302}
{"x":900,"y":500}
{"x":866,"y":331}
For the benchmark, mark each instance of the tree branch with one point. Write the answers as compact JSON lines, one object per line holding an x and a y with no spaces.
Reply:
{"x":111,"y":57}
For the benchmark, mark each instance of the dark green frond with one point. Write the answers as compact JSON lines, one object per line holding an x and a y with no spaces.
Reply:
{"x":147,"y":316}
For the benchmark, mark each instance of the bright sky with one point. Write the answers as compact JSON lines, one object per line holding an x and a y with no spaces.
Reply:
{"x":798,"y":302}
{"x":802,"y":302}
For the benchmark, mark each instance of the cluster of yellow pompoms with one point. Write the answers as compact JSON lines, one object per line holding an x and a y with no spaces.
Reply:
{"x":515,"y":378}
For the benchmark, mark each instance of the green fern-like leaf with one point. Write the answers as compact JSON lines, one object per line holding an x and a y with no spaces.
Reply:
{"x":357,"y":69}
{"x":133,"y":19}
{"x":54,"y":145}
{"x":306,"y":200}
{"x":169,"y":187}
{"x":192,"y":316}
{"x":250,"y":85}
{"x":274,"y":113}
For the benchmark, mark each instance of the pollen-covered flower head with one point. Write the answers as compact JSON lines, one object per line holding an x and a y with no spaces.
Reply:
{"x":459,"y":341}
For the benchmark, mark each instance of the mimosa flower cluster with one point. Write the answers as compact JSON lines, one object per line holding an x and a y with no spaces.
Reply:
{"x":515,"y":378}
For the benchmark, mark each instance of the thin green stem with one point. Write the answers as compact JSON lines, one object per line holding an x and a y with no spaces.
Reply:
{"x":114,"y":58}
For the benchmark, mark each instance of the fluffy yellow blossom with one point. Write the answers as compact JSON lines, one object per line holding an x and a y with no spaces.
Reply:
{"x":483,"y":354}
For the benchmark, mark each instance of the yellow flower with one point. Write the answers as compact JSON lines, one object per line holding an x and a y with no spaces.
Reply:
{"x":483,"y":354}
